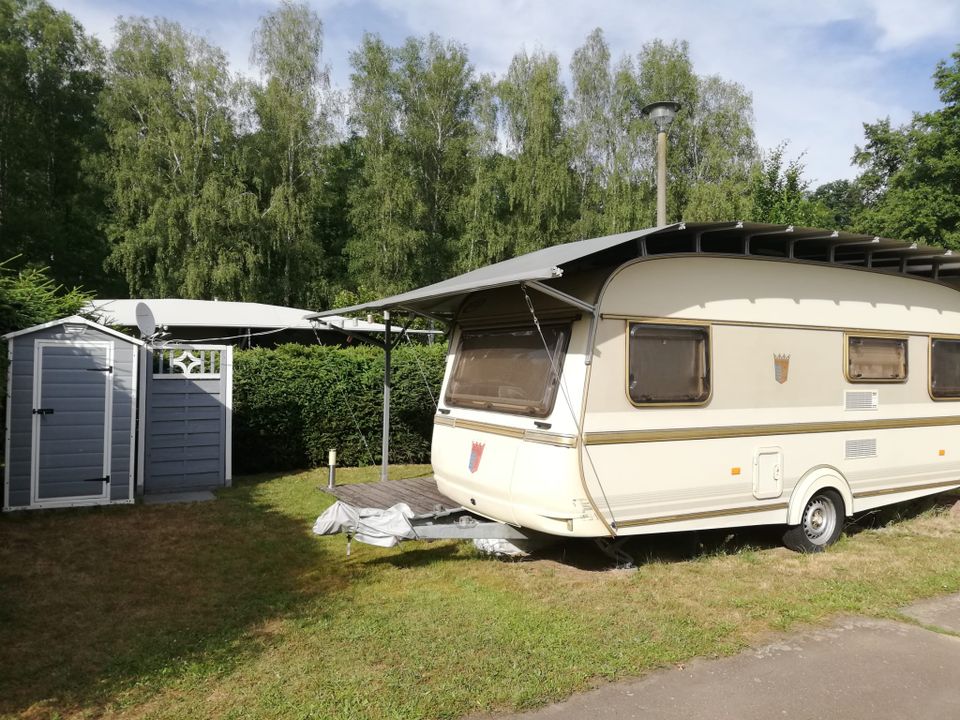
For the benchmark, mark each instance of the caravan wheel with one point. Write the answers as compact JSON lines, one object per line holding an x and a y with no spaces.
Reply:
{"x":820,"y":523}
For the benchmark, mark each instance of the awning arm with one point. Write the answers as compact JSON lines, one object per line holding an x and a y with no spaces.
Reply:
{"x":363,"y":337}
{"x":575,"y":302}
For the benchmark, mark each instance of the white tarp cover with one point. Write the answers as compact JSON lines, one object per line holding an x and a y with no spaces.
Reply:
{"x":384,"y":528}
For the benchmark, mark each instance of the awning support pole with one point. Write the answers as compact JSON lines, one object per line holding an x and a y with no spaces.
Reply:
{"x":577,"y":303}
{"x":387,"y":347}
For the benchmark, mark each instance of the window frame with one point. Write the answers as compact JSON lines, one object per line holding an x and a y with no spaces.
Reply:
{"x":930,"y":391}
{"x":701,"y":325}
{"x":566,"y":327}
{"x":848,"y":336}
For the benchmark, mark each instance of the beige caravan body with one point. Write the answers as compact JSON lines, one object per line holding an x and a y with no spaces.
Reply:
{"x":684,"y":389}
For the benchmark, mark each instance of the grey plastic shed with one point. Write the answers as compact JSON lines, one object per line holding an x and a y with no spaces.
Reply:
{"x":71,"y":415}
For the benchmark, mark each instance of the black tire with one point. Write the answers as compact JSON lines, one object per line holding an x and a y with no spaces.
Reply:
{"x":820,"y":523}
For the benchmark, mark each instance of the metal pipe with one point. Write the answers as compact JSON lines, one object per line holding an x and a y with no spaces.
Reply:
{"x":385,"y":448}
{"x":332,"y":462}
{"x":661,"y":178}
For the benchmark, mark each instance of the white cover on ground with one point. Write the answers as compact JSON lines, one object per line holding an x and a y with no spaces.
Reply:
{"x":384,"y":528}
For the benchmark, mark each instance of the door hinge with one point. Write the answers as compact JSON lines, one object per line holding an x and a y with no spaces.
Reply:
{"x":104,"y":479}
{"x":108,"y":369}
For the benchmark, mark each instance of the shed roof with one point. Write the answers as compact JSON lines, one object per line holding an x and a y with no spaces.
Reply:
{"x":792,"y":244}
{"x":73,"y":320}
{"x":179,"y":312}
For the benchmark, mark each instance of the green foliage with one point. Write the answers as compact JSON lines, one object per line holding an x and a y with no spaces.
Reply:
{"x":911,"y":175}
{"x":411,"y":111}
{"x":51,"y":203}
{"x":183,"y":221}
{"x":292,"y":132}
{"x":30,"y":297}
{"x":780,"y":194}
{"x":294,"y":403}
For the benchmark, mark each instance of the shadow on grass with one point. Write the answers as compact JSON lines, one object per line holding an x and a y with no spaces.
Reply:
{"x":885,"y":516}
{"x":96,"y":601}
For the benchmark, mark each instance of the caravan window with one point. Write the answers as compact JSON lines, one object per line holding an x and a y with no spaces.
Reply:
{"x":508,"y":370}
{"x":876,"y":359}
{"x":669,"y":364}
{"x":944,"y":368}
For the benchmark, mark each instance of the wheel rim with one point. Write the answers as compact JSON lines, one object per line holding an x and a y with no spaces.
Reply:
{"x":819,"y":520}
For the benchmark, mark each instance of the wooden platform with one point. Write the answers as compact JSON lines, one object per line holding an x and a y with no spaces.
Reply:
{"x":420,"y":494}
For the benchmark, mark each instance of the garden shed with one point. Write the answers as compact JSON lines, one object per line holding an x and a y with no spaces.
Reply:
{"x":71,"y":415}
{"x":96,"y":417}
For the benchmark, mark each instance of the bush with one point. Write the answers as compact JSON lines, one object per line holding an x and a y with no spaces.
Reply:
{"x":294,"y":403}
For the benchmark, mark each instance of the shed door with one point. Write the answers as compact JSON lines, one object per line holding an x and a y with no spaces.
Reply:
{"x":72,"y":392}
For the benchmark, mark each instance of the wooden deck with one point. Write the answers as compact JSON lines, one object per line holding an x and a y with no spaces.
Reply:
{"x":420,"y":494}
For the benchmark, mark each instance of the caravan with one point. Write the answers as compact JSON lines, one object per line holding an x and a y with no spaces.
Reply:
{"x":698,"y":376}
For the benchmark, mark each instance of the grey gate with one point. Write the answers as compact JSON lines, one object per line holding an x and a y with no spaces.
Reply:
{"x":186,"y":409}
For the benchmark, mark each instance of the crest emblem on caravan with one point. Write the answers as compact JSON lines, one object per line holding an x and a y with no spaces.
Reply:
{"x":781,"y":368}
{"x":475,"y":454}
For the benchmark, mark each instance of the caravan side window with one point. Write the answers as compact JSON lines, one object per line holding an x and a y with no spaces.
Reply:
{"x":944,"y":369}
{"x":668,"y":364}
{"x":876,"y":359}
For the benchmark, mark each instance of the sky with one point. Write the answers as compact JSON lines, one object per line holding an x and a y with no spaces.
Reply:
{"x":817,"y":69}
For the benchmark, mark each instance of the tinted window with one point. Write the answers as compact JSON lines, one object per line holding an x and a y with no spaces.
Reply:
{"x":508,"y":370}
{"x":668,"y":364}
{"x":945,"y":368}
{"x":870,"y":358}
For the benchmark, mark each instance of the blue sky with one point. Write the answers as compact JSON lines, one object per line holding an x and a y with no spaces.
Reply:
{"x":817,"y":70}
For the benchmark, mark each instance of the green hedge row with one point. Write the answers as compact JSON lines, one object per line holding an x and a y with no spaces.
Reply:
{"x":292,"y":404}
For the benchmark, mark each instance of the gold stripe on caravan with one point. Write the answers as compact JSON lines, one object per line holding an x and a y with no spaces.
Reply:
{"x":537,"y":436}
{"x":701,"y":515}
{"x":615,"y":437}
{"x":906,"y":488}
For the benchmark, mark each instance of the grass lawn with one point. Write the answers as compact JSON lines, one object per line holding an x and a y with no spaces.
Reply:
{"x":233,"y":609}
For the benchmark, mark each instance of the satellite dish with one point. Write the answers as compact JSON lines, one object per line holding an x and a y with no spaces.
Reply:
{"x":145,"y":320}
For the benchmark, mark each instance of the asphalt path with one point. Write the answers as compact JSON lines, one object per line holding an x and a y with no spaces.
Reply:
{"x":856,"y":668}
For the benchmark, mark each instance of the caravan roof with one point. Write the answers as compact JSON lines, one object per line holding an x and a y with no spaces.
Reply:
{"x":793,"y":244}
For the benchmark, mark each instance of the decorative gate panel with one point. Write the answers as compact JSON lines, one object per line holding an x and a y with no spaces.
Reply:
{"x":187,"y":408}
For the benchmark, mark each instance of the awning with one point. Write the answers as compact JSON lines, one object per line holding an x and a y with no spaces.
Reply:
{"x":780,"y":241}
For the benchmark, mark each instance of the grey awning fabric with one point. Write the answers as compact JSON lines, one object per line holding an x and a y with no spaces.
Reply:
{"x":540,"y":265}
{"x":784,"y":241}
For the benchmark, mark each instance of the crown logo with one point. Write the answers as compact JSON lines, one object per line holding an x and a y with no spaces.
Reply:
{"x":781,"y":368}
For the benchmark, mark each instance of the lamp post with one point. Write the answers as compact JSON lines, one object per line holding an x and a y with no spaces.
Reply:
{"x":662,"y":113}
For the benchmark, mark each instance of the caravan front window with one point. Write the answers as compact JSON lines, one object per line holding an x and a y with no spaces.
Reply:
{"x":508,"y":370}
{"x":669,"y":364}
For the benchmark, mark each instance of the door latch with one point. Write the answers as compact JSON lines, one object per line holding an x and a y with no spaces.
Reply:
{"x":43,"y":411}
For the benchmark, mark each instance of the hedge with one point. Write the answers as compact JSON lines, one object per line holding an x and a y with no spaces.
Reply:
{"x":292,"y":404}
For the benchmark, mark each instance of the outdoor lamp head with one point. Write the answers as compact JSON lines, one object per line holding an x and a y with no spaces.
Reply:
{"x":662,"y":113}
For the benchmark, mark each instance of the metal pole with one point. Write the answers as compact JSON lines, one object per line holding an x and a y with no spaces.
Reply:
{"x":385,"y":450}
{"x":332,"y":462}
{"x":661,"y":178}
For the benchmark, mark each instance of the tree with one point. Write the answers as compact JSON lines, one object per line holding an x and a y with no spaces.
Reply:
{"x":780,"y":194}
{"x":183,"y":220}
{"x":293,"y":130}
{"x":51,"y":204}
{"x":540,"y":187}
{"x":412,"y":112}
{"x":843,"y":199}
{"x":911,"y":175}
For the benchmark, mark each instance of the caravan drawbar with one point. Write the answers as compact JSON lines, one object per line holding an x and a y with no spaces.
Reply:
{"x":698,"y":376}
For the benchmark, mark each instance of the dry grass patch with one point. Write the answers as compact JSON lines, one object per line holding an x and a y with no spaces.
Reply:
{"x":232,"y":609}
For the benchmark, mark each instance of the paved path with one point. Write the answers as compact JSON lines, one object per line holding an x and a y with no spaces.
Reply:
{"x":855,"y":669}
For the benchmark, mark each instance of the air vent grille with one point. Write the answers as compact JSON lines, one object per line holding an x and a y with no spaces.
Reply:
{"x":861,"y":400}
{"x":866,"y":448}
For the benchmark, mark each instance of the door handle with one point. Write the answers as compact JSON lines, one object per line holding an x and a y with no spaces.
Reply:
{"x":43,"y":411}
